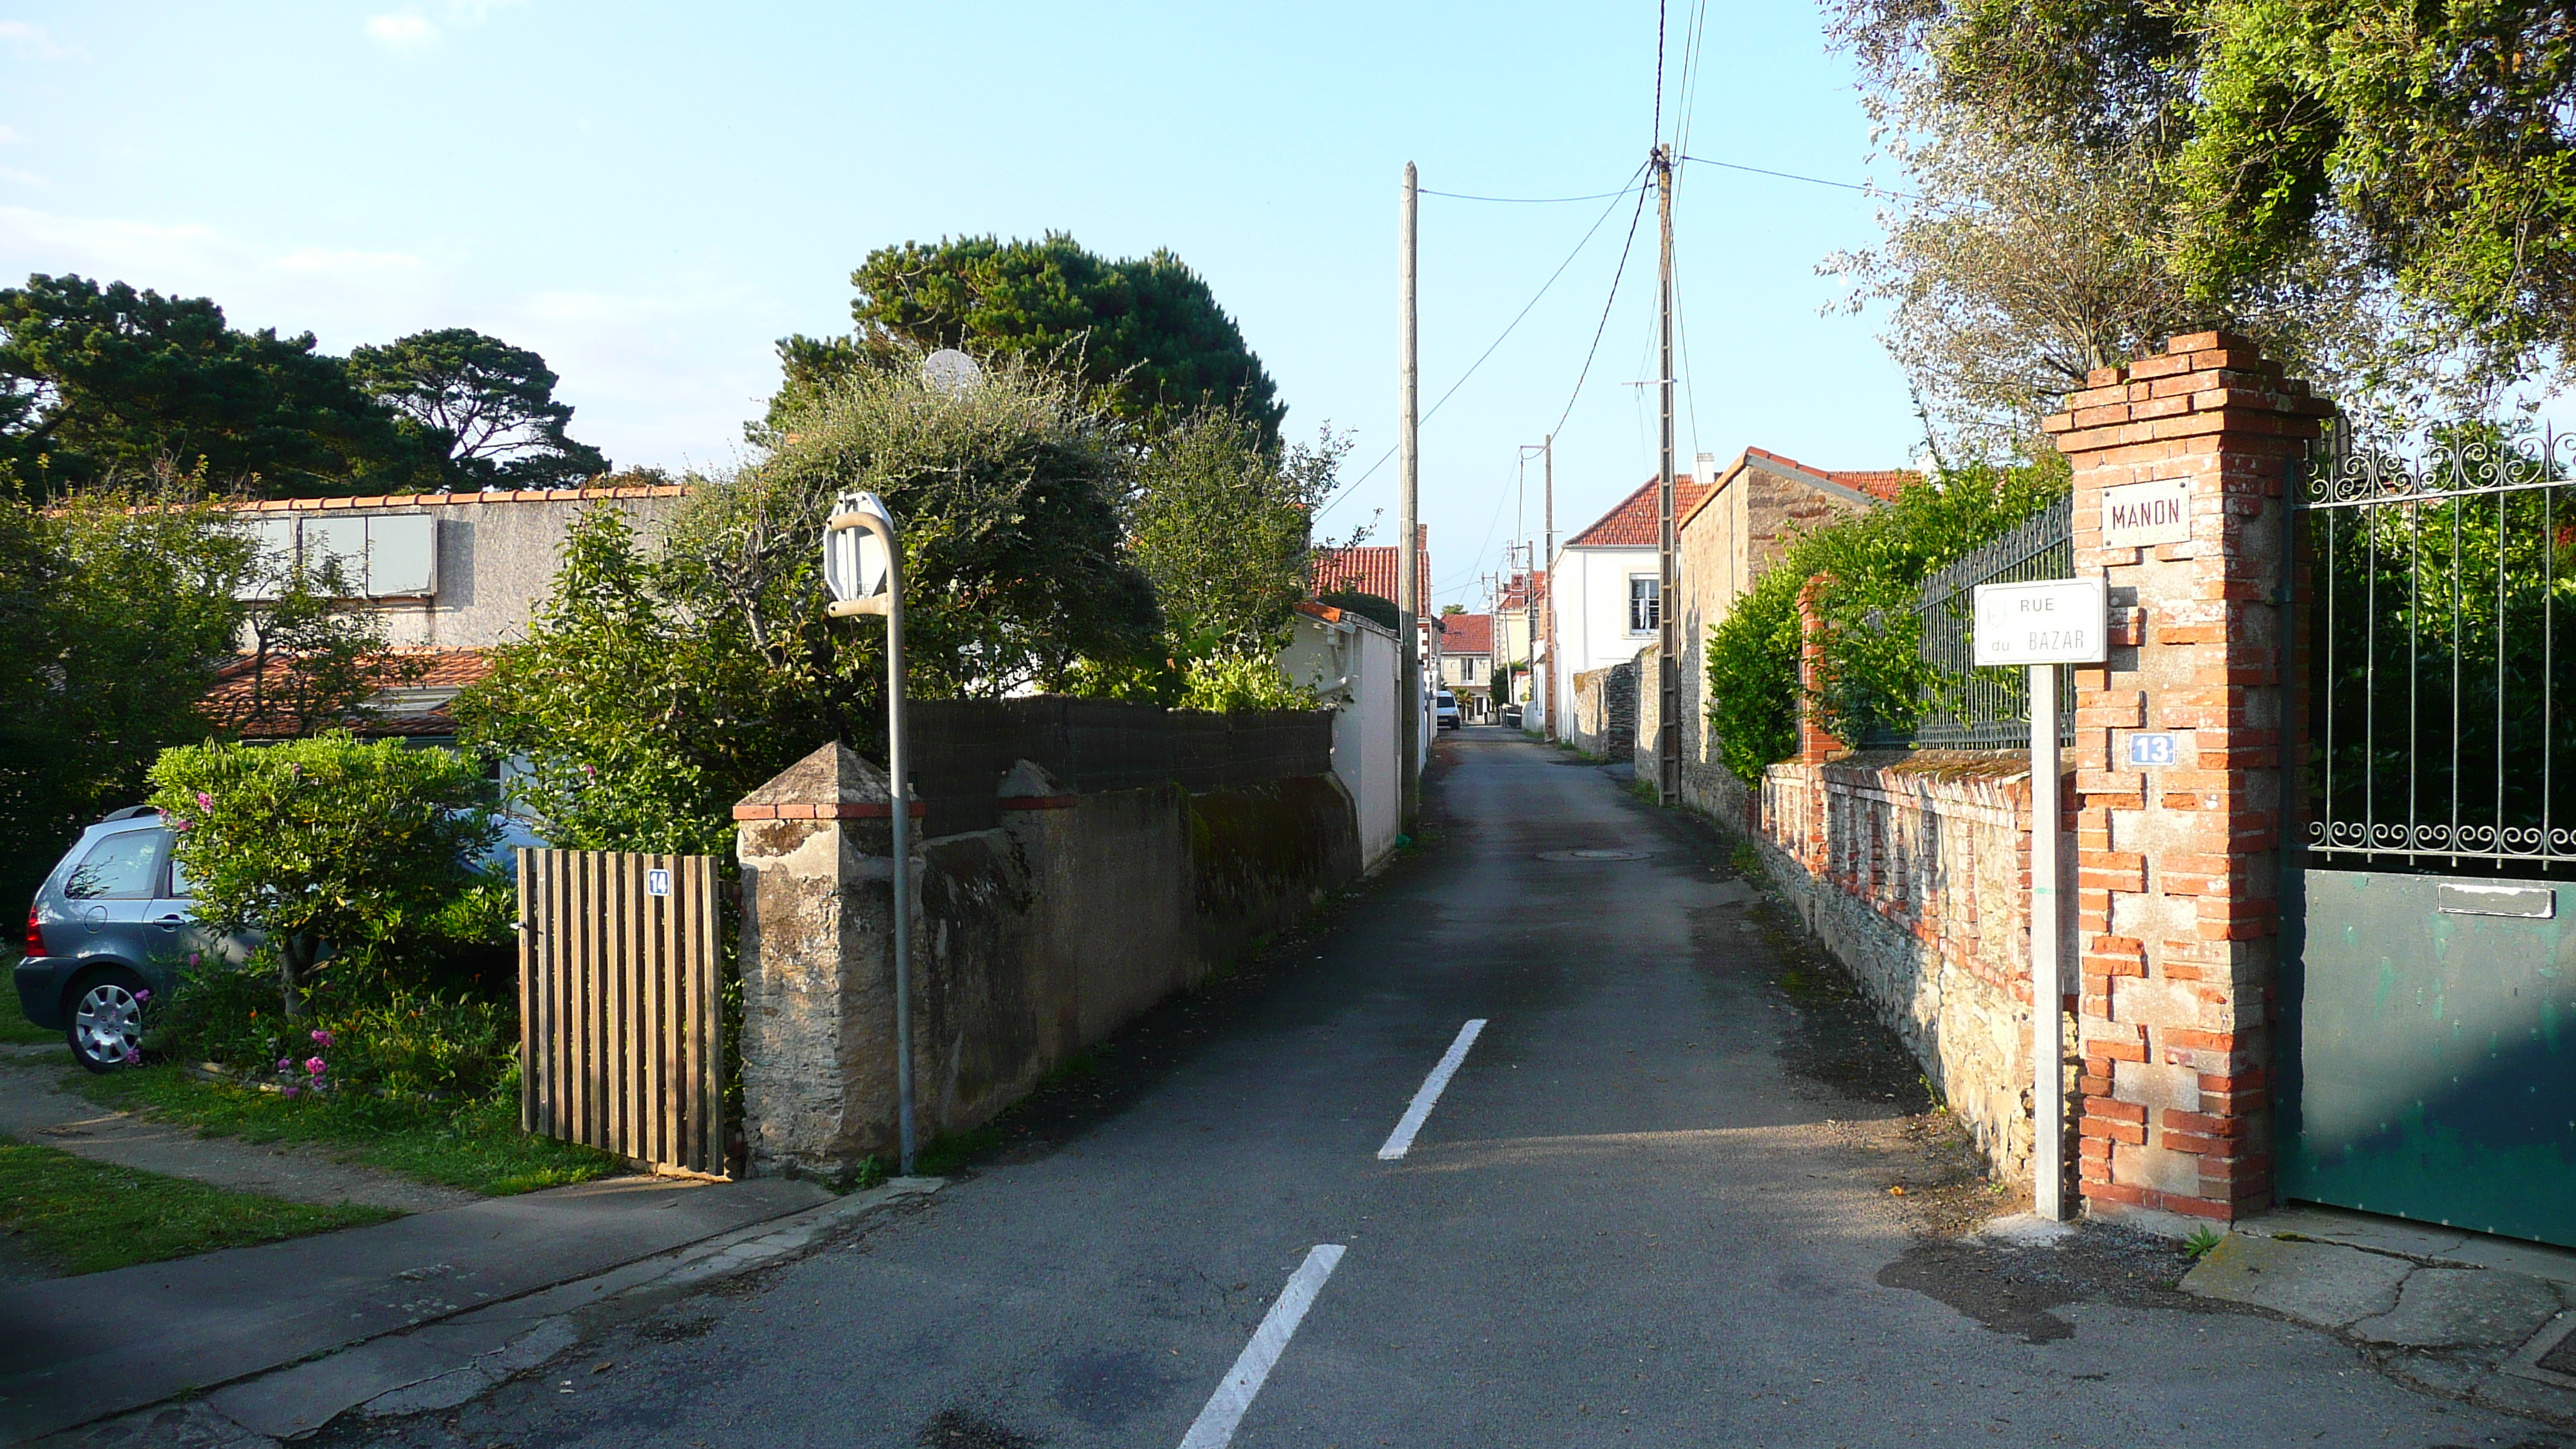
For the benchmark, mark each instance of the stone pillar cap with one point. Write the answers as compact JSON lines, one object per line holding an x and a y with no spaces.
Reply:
{"x":832,"y":775}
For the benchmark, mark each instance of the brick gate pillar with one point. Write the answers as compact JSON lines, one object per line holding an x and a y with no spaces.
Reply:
{"x":2177,"y":897}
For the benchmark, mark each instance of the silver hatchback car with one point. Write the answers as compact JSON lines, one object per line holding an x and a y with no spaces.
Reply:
{"x":116,"y":921}
{"x":111,"y":923}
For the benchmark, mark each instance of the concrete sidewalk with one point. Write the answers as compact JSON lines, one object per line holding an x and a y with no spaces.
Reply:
{"x":79,"y":1349}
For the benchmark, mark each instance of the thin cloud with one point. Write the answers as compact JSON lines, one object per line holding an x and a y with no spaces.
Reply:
{"x":23,"y":178}
{"x":11,"y":136}
{"x":401,"y":31}
{"x":34,"y":41}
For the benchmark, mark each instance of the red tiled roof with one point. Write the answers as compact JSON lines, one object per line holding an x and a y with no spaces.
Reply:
{"x":1372,"y":570}
{"x":1633,"y":524}
{"x":1466,"y":633}
{"x":434,"y":500}
{"x":231,"y":702}
{"x":1882,"y":484}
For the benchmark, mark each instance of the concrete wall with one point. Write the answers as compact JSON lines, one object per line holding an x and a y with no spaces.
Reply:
{"x":497,"y":553}
{"x":1032,"y":940}
{"x":1351,"y":664}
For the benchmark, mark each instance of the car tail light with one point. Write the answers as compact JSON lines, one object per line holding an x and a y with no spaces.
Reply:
{"x":35,"y":934}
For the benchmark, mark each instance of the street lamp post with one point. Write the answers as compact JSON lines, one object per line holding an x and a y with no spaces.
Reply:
{"x":863,"y":570}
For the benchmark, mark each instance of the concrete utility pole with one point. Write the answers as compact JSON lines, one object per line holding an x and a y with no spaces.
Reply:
{"x":1408,"y":550}
{"x":1668,"y":665}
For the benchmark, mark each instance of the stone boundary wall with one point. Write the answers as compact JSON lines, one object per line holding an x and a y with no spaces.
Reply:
{"x":1032,"y":939}
{"x":1604,"y":718}
{"x":1913,"y":870}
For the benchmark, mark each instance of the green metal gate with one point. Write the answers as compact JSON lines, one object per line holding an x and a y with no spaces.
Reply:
{"x":2429,"y":971}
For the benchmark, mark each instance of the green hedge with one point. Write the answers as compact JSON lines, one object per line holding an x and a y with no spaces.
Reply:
{"x":1873,"y":564}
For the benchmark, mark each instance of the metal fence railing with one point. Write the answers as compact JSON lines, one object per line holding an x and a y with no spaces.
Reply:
{"x":1960,"y":705}
{"x":2437,"y":692}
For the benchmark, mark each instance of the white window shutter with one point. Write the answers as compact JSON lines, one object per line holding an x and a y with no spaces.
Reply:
{"x":402,"y":555}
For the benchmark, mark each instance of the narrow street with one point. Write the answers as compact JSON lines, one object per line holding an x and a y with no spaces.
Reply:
{"x":1652,"y":1206}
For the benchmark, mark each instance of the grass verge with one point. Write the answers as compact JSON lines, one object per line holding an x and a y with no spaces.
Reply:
{"x":77,"y":1216}
{"x":477,"y":1146}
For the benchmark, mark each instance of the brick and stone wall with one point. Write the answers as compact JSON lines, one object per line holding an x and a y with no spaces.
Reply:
{"x":1913,"y":870}
{"x":2177,"y":897}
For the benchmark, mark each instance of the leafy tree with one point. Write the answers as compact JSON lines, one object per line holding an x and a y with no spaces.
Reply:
{"x":661,"y":684}
{"x":96,"y":380}
{"x":1224,"y":525}
{"x":482,"y":410}
{"x":1873,"y":565}
{"x":1145,"y":332}
{"x":2386,"y":191}
{"x":313,"y":658}
{"x":641,"y":717}
{"x":118,"y":607}
{"x":324,"y":842}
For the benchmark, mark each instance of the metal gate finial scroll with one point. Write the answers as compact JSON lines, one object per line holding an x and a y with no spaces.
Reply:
{"x":620,"y":1022}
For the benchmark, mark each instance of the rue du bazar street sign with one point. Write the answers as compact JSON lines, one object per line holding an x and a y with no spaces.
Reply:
{"x":2051,"y":621}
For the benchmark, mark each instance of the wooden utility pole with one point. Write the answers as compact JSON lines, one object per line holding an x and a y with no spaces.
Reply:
{"x":1408,"y":552}
{"x":1668,"y":666}
{"x":1547,"y":560}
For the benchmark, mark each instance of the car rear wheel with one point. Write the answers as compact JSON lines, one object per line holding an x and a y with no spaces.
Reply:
{"x":105,"y":1022}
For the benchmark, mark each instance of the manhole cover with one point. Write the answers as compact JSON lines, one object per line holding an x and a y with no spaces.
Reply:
{"x":1595,"y":854}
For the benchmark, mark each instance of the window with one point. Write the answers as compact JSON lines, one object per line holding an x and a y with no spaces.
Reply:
{"x":118,"y":868}
{"x":379,"y":555}
{"x":1645,"y":603}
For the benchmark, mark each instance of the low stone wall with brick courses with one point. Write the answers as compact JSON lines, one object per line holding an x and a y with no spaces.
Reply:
{"x":1913,"y":871}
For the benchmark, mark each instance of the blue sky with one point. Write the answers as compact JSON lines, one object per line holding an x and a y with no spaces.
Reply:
{"x":651,"y":194}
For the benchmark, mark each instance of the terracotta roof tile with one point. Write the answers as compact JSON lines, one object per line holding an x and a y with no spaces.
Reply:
{"x":1634,"y":522}
{"x":1467,"y":633}
{"x":230,"y":702}
{"x":1371,"y":570}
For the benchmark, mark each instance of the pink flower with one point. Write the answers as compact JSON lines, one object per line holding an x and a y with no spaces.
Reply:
{"x":205,"y":801}
{"x":286,"y":1064}
{"x":590,"y":769}
{"x":290,"y":1091}
{"x":294,"y":770}
{"x":133,"y":1058}
{"x":178,"y":824}
{"x":194,"y":958}
{"x":143,"y":995}
{"x":313,"y":1065}
{"x":322,"y":1038}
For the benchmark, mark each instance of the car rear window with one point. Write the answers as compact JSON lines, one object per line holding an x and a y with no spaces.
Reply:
{"x":118,"y":868}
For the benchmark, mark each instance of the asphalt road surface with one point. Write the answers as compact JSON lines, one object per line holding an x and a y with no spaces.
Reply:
{"x":1651,"y":1206}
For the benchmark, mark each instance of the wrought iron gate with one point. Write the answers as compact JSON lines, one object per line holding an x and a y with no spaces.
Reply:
{"x":2429,"y":975}
{"x":620,"y":1024}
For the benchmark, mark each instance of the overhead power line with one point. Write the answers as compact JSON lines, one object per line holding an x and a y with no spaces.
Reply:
{"x":1523,"y":200}
{"x":1861,"y":187}
{"x":1346,"y":489}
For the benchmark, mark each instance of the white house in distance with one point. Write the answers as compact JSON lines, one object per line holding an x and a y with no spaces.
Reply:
{"x":1604,"y":587}
{"x":1467,"y":662}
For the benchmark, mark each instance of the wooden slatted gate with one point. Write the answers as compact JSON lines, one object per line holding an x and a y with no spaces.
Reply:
{"x":619,"y":1018}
